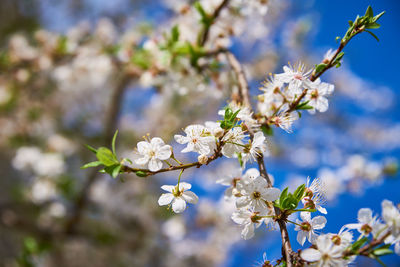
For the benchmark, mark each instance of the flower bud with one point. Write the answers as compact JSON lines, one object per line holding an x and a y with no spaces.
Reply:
{"x":202,"y":159}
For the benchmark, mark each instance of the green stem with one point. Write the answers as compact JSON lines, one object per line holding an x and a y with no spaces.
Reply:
{"x":293,"y":222}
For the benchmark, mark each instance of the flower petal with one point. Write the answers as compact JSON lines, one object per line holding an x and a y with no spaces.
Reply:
{"x":365,"y":215}
{"x":165,"y":199}
{"x":184,"y":186}
{"x":164,"y":152}
{"x":155,"y":165}
{"x":190,"y":197}
{"x":318,"y":222}
{"x":310,"y":254}
{"x":178,"y":205}
{"x":168,"y":188}
{"x":143,"y":146}
{"x":181,"y":139}
{"x":157,"y":142}
{"x":271,"y":194}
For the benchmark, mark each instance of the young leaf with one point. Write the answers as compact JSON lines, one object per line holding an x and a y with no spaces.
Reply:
{"x":113,"y":142}
{"x":369,"y":13}
{"x":175,"y":34}
{"x":299,"y":192}
{"x":116,"y":171}
{"x":373,"y":35}
{"x":91,"y":149}
{"x":141,"y":174}
{"x":382,"y":251}
{"x":105,"y":156}
{"x":91,"y":164}
{"x":378,"y":16}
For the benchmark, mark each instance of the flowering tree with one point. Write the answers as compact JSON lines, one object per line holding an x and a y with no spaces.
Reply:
{"x":191,"y":64}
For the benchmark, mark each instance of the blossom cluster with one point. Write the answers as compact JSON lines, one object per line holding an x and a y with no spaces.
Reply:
{"x":334,"y":249}
{"x":282,"y":90}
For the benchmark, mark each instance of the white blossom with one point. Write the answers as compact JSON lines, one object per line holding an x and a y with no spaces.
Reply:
{"x":316,"y":95}
{"x":366,"y":223}
{"x":153,"y":153}
{"x":315,"y":195}
{"x":198,"y":139}
{"x":256,"y":194}
{"x":233,"y":142}
{"x":178,"y":196}
{"x":327,"y":254}
{"x":257,"y":147}
{"x":297,"y":78}
{"x":248,"y":218}
{"x":307,"y":226}
{"x":391,"y":216}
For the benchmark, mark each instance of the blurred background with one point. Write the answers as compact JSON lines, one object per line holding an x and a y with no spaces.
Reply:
{"x":72,"y":72}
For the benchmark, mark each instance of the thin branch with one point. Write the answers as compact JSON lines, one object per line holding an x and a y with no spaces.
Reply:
{"x":110,"y":126}
{"x":215,"y":15}
{"x":244,"y":94}
{"x":315,"y":75}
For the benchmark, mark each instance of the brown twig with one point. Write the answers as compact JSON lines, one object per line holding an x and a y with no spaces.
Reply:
{"x":217,"y":154}
{"x":206,"y":30}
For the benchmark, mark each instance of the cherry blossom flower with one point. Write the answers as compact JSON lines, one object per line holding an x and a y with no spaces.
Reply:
{"x":344,"y":238}
{"x":256,"y":194}
{"x":198,"y":139}
{"x":391,"y":216}
{"x":153,"y":153}
{"x":315,"y":195}
{"x":366,"y":223}
{"x":233,"y":142}
{"x":317,"y":95}
{"x":307,"y":226}
{"x":326,"y":253}
{"x":297,"y":78}
{"x":248,"y":218}
{"x":177,"y":197}
{"x":257,"y":147}
{"x":285,"y":120}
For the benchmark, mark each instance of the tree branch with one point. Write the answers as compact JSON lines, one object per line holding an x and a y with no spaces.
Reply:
{"x":244,"y":94}
{"x":110,"y":126}
{"x":214,"y":16}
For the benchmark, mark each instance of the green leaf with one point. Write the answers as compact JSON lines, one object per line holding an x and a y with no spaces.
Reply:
{"x":141,"y":174}
{"x":369,"y":13}
{"x":175,"y":34}
{"x":382,"y":251}
{"x":373,"y":35}
{"x":128,"y":160}
{"x":91,"y":164}
{"x":116,"y":171}
{"x":91,"y":149}
{"x":373,"y":26}
{"x":202,"y":12}
{"x":378,"y":16}
{"x":302,"y":104}
{"x":113,"y":142}
{"x":358,"y":244}
{"x":350,"y":24}
{"x":339,"y":56}
{"x":106,"y":156}
{"x":233,"y":117}
{"x":267,"y":130}
{"x":239,"y":157}
{"x":141,"y":58}
{"x":320,"y":67}
{"x":299,"y":192}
